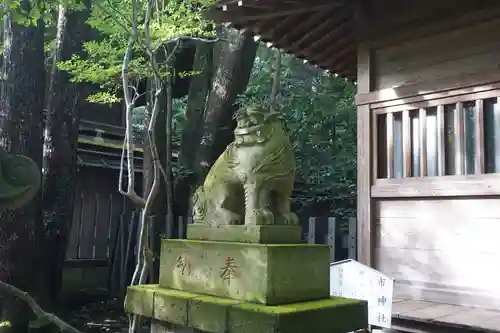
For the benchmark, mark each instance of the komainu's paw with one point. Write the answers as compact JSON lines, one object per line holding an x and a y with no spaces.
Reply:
{"x":263,"y":217}
{"x":290,"y":219}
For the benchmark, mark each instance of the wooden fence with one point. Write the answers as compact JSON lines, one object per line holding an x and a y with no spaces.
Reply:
{"x":339,"y":236}
{"x":115,"y":247}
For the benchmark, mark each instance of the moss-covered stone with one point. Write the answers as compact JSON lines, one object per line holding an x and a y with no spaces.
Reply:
{"x":261,"y":273}
{"x":266,"y":234}
{"x":171,"y":306}
{"x":209,"y":314}
{"x":140,"y":300}
{"x":221,"y":315}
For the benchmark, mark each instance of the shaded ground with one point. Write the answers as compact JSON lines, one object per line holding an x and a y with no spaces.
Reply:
{"x":100,"y":316}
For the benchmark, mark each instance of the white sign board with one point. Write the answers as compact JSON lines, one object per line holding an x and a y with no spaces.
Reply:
{"x":351,"y":279}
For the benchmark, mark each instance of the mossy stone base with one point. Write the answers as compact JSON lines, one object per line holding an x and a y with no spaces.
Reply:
{"x":266,"y":234}
{"x":261,"y":273}
{"x":221,"y":315}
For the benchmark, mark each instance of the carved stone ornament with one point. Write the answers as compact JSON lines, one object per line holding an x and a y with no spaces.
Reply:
{"x":252,"y":181}
{"x":20,"y":180}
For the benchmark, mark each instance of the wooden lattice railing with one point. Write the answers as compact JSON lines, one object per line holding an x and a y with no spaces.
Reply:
{"x":452,"y":133}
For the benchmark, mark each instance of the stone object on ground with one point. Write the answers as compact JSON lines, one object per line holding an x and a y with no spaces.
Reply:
{"x":243,"y":268}
{"x":20,"y":180}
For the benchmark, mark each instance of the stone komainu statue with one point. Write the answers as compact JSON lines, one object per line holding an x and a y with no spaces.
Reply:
{"x":19,"y":180}
{"x":252,"y":181}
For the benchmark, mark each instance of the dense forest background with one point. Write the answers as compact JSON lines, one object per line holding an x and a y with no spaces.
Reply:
{"x":160,"y":60}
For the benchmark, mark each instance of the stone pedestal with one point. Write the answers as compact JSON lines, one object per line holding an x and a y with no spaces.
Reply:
{"x":251,"y":278}
{"x":268,"y":274}
{"x":230,"y":287}
{"x":264,"y":234}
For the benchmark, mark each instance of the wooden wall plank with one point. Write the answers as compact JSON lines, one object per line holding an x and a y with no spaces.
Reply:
{"x":87,"y":225}
{"x":72,"y":249}
{"x":423,"y":59}
{"x":449,"y":186}
{"x":103,"y":223}
{"x":112,"y":226}
{"x":407,"y":20}
{"x":446,"y":244}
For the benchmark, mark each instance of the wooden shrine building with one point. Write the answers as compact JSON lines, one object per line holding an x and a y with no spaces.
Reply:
{"x":428,"y":78}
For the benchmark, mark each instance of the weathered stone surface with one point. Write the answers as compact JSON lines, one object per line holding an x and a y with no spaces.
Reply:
{"x":171,"y":306}
{"x":219,"y":315}
{"x":261,"y":273}
{"x":266,"y":234}
{"x":20,"y":179}
{"x":209,"y":314}
{"x":251,"y":182}
{"x":158,"y":326}
{"x":139,"y":300}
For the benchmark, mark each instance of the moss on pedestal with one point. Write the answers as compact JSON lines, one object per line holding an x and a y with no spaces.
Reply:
{"x":222,"y":315}
{"x":262,"y":273}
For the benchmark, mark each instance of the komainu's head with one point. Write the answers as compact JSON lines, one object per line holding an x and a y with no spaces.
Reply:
{"x":255,"y":124}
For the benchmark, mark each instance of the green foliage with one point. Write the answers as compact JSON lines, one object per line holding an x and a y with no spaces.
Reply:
{"x":320,"y":114}
{"x":102,"y":60}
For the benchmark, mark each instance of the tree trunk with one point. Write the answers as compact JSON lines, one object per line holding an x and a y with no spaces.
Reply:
{"x":64,"y":99}
{"x":230,"y":79}
{"x":21,"y":105}
{"x":158,"y":210}
{"x":193,"y":126}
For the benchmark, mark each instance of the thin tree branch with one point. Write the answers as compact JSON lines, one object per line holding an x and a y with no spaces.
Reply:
{"x":30,"y":301}
{"x":130,"y":104}
{"x":275,"y":90}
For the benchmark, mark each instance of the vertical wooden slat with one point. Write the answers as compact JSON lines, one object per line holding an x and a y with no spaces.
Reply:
{"x":390,"y":145}
{"x":169,"y":228}
{"x":351,"y":243}
{"x":95,"y":241}
{"x":406,"y":135}
{"x":180,"y":225}
{"x":111,"y":224}
{"x":496,"y":137}
{"x":72,"y":250}
{"x":311,"y":231}
{"x":441,"y":141}
{"x":458,"y":135}
{"x":375,"y":150}
{"x":330,"y":238}
{"x":122,"y":248}
{"x":479,"y":144}
{"x":422,"y":129}
{"x":82,"y":222}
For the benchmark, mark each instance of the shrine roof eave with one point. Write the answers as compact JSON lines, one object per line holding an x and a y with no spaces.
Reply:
{"x":321,"y":32}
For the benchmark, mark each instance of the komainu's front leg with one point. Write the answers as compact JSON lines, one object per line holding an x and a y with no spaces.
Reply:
{"x":283,"y":193}
{"x":224,"y":211}
{"x":256,"y":206}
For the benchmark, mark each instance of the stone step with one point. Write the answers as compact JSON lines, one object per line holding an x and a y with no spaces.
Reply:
{"x":221,"y":315}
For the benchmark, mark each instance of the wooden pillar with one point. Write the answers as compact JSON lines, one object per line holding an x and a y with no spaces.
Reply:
{"x":364,"y":135}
